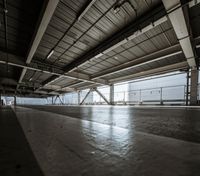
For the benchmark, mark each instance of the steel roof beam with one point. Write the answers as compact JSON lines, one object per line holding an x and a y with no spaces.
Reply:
{"x":71,"y":84}
{"x":44,"y":21}
{"x":146,"y":22}
{"x":88,"y":86}
{"x":11,"y":89}
{"x":180,"y":23}
{"x":152,"y":57}
{"x":73,"y":75}
{"x":86,"y":78}
{"x":193,"y":3}
{"x":174,"y":49}
{"x":59,"y":88}
{"x":75,"y":84}
{"x":159,"y":70}
{"x":57,"y":74}
{"x":91,"y":2}
{"x":80,"y":14}
{"x":152,"y":72}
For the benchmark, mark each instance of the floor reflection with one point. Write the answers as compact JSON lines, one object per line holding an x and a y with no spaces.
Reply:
{"x":91,"y":142}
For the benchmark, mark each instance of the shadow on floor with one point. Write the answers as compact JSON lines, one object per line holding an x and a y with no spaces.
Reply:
{"x":16,"y":157}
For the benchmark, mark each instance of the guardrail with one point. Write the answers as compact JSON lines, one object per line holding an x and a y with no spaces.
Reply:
{"x":157,"y":95}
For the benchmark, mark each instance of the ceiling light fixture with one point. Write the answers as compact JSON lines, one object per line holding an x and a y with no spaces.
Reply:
{"x":98,"y":55}
{"x":50,"y":54}
{"x":116,"y":10}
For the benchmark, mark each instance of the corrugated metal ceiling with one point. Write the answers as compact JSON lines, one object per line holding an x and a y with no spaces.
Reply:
{"x":71,"y":39}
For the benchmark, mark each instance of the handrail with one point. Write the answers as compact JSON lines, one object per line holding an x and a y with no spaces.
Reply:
{"x":151,"y":88}
{"x":122,"y":96}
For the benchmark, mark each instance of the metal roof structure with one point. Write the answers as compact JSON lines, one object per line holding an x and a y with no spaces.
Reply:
{"x":48,"y":47}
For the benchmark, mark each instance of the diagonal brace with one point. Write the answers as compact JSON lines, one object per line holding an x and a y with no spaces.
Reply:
{"x":101,"y":95}
{"x":85,"y":97}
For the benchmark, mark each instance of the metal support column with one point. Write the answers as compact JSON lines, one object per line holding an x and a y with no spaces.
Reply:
{"x":0,"y":100}
{"x":15,"y":101}
{"x":140,"y":97}
{"x":161,"y":101}
{"x":187,"y":88}
{"x":194,"y":87}
{"x":101,"y":95}
{"x":60,"y":99}
{"x":85,"y":97}
{"x":52,"y":100}
{"x":112,"y":94}
{"x":55,"y":100}
{"x":79,"y":97}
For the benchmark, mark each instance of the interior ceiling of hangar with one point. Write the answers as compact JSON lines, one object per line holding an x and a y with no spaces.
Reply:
{"x":59,"y":46}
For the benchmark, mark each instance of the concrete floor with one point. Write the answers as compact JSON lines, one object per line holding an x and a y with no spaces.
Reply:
{"x":16,"y":156}
{"x":90,"y":141}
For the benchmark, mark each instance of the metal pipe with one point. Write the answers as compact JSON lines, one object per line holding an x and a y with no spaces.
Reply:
{"x":187,"y":87}
{"x":5,"y":23}
{"x":6,"y":29}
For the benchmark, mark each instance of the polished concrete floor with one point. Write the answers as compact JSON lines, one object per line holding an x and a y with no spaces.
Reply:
{"x":106,"y":140}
